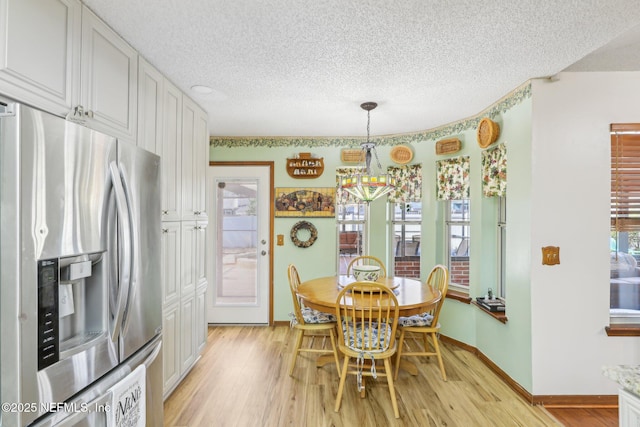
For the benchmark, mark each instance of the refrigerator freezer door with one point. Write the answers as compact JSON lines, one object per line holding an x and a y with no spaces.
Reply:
{"x":140,"y":172}
{"x":92,"y":408}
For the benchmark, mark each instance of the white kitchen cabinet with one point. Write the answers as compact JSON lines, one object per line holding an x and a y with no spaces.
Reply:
{"x":628,"y":409}
{"x":193,"y":255}
{"x":200,"y":255}
{"x":188,"y":273}
{"x":160,"y":131}
{"x":40,"y":52}
{"x":187,"y":334}
{"x":109,"y":75}
{"x":195,"y":159}
{"x":150,"y":103}
{"x":171,"y":153}
{"x":171,"y":261}
{"x":201,"y":317}
{"x":59,"y":56}
{"x":200,"y":164}
{"x":171,"y":336}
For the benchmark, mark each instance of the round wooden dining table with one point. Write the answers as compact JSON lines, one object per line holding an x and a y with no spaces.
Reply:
{"x":414,"y":297}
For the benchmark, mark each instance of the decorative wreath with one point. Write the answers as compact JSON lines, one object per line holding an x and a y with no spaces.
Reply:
{"x":304,"y":225}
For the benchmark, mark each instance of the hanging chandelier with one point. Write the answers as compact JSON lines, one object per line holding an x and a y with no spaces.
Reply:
{"x":363,"y":183}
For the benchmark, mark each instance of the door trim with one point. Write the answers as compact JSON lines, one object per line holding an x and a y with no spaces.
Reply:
{"x":271,"y":216}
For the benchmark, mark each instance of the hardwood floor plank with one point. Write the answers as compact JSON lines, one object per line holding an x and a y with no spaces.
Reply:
{"x":578,"y":417}
{"x":242,"y":378}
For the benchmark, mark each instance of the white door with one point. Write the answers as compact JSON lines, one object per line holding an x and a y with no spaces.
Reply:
{"x":239,"y":264}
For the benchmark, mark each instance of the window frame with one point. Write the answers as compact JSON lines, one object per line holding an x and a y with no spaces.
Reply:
{"x":449,"y":222}
{"x":625,"y":322}
{"x":403,"y":222}
{"x":358,"y":221}
{"x":502,"y":248}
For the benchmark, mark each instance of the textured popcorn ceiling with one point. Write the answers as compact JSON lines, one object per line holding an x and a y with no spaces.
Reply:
{"x":303,"y":67}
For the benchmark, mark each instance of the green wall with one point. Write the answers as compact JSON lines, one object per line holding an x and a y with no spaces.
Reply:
{"x":507,"y":345}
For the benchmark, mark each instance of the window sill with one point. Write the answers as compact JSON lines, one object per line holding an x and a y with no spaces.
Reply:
{"x":459,"y":296}
{"x":623,"y":330}
{"x":500,"y":317}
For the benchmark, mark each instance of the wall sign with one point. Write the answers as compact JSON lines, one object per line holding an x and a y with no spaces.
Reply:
{"x":304,"y":166}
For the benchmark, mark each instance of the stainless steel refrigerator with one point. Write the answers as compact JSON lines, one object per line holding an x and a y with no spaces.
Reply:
{"x":80,"y":290}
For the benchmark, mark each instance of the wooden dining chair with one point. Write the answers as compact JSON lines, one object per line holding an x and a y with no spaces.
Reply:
{"x":367,"y":315}
{"x":367,"y":260}
{"x":310,"y":324}
{"x":425,"y":324}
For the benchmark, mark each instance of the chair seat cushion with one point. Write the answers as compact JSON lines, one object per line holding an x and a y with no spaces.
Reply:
{"x":357,"y":339}
{"x":423,"y":319}
{"x":314,"y":316}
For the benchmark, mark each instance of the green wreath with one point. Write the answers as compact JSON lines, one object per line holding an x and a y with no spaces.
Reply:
{"x":304,"y":225}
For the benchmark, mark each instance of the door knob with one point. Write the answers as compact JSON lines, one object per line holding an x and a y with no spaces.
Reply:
{"x":264,"y":253}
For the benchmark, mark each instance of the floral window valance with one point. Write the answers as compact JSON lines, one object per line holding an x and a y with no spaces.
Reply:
{"x":408,"y":183}
{"x":494,"y":171}
{"x":453,"y":178}
{"x":343,"y":197}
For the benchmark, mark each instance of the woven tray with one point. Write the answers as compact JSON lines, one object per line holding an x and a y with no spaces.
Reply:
{"x":401,"y":154}
{"x":349,"y":155}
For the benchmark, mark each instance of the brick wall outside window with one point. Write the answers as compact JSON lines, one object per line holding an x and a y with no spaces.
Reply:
{"x":459,"y":273}
{"x":407,"y":267}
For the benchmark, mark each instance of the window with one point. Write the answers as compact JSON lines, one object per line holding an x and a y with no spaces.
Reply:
{"x":406,"y":222}
{"x":457,"y":242}
{"x":624,"y":244}
{"x":351,"y":224}
{"x":502,"y":246}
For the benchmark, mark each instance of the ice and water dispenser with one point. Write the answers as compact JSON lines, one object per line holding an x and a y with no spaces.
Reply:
{"x":72,"y":306}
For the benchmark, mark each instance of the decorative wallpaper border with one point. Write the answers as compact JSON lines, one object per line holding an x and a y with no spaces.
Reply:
{"x":512,"y":99}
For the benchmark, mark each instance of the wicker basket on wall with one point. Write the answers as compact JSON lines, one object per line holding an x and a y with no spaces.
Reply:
{"x":488,"y":132}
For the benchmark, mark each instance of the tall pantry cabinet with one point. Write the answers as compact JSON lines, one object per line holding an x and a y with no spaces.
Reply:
{"x":57,"y":55}
{"x":176,"y":127}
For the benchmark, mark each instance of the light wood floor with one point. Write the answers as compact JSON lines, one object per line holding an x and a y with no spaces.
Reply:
{"x":242,"y":380}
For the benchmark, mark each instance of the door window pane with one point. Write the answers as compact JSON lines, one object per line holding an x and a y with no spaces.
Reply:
{"x":236,"y":276}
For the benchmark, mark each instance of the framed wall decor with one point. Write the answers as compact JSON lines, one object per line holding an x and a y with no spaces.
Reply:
{"x":305,"y":202}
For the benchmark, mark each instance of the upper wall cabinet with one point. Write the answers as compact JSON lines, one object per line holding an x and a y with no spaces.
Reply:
{"x":60,"y":57}
{"x":40,"y":52}
{"x":150,"y":91}
{"x":109,"y":79}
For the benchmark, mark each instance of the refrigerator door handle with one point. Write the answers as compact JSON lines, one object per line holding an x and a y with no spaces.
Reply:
{"x":125,"y":244}
{"x":149,"y":360}
{"x":133,"y":242}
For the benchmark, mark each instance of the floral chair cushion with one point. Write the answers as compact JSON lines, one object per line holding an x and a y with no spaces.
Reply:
{"x":356,"y":342}
{"x":423,"y":319}
{"x":313,"y":316}
{"x":354,"y":338}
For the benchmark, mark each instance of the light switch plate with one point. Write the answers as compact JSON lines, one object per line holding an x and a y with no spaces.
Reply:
{"x":280,"y":239}
{"x":550,"y":255}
